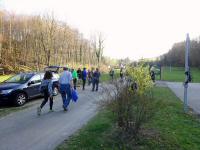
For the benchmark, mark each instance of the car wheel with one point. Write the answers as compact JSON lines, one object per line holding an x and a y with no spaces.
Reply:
{"x":20,"y":99}
{"x":55,"y":91}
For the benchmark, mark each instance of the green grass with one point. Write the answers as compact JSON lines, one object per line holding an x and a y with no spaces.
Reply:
{"x":177,"y":74}
{"x":105,"y":77}
{"x":92,"y":136}
{"x":4,"y":77}
{"x":176,"y":129}
{"x":169,"y":129}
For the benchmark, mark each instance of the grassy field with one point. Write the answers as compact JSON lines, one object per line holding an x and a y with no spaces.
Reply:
{"x":177,"y":74}
{"x":170,"y":129}
{"x":4,"y":77}
{"x":105,"y":77}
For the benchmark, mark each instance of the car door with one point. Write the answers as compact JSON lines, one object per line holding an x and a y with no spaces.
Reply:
{"x":34,"y":85}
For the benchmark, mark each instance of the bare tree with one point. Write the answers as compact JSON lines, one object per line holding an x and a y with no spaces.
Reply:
{"x":38,"y":41}
{"x":98,"y":46}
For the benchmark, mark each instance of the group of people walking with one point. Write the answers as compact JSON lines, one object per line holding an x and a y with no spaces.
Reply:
{"x":67,"y":83}
{"x":92,"y":76}
{"x":112,"y":72}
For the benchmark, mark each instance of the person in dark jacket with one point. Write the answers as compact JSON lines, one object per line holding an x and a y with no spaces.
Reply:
{"x":121,"y":73}
{"x":84,"y":77}
{"x":46,"y":88}
{"x":112,"y":74}
{"x":95,"y":79}
{"x":152,"y":74}
{"x":79,"y":72}
{"x":89,"y":76}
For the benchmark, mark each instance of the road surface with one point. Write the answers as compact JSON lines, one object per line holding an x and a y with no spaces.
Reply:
{"x":24,"y":130}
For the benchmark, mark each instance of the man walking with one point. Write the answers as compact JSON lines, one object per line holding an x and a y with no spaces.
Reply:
{"x":65,"y":83}
{"x":95,"y":79}
{"x":121,"y":73}
{"x":112,"y":74}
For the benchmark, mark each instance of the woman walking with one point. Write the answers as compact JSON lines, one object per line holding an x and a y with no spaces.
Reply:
{"x":46,"y":89}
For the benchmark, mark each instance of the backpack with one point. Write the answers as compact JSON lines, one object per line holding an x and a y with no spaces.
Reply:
{"x":44,"y":88}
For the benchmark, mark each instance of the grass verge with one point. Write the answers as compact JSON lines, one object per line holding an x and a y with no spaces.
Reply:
{"x":169,"y":129}
{"x":176,"y":74}
{"x":4,"y":77}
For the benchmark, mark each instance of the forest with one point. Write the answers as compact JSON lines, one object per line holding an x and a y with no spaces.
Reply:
{"x":176,"y":55}
{"x":33,"y":42}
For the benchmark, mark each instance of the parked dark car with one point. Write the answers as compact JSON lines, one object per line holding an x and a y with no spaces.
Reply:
{"x":24,"y":86}
{"x":55,"y":69}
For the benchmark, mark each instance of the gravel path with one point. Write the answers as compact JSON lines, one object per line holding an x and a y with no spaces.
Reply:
{"x":24,"y":130}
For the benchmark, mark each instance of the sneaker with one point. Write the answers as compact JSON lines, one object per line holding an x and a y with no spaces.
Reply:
{"x":38,"y":111}
{"x":65,"y":109}
{"x":51,"y":110}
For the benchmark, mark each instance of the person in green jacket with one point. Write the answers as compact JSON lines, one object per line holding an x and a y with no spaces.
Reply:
{"x":75,"y":77}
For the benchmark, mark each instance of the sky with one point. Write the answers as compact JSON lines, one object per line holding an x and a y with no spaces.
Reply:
{"x":131,"y":28}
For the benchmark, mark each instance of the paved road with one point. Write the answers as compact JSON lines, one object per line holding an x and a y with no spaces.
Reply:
{"x":193,"y":93}
{"x":24,"y":130}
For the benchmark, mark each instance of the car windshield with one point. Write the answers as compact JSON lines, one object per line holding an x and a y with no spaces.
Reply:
{"x":20,"y":78}
{"x":55,"y":76}
{"x":52,"y":69}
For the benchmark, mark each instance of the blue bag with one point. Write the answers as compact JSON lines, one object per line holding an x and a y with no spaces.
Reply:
{"x":74,"y":95}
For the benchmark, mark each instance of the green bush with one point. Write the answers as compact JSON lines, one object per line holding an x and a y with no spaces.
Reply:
{"x":131,"y":107}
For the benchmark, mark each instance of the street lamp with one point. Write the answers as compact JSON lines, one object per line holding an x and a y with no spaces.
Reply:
{"x":187,"y":73}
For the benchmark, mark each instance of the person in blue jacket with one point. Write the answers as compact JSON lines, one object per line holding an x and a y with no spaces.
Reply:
{"x":84,"y":77}
{"x":46,"y":88}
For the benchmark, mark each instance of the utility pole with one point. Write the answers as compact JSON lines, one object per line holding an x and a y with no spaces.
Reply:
{"x":187,"y":73}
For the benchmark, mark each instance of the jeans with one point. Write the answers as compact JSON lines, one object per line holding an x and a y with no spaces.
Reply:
{"x":65,"y":90}
{"x":46,"y":97}
{"x":95,"y":82}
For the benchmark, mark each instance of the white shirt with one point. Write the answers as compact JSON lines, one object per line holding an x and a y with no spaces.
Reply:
{"x":65,"y":77}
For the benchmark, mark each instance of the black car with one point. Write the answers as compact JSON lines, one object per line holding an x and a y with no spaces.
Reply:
{"x":55,"y":69}
{"x":24,"y":86}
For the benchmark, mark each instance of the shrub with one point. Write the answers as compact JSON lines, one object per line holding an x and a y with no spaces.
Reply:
{"x":131,"y":107}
